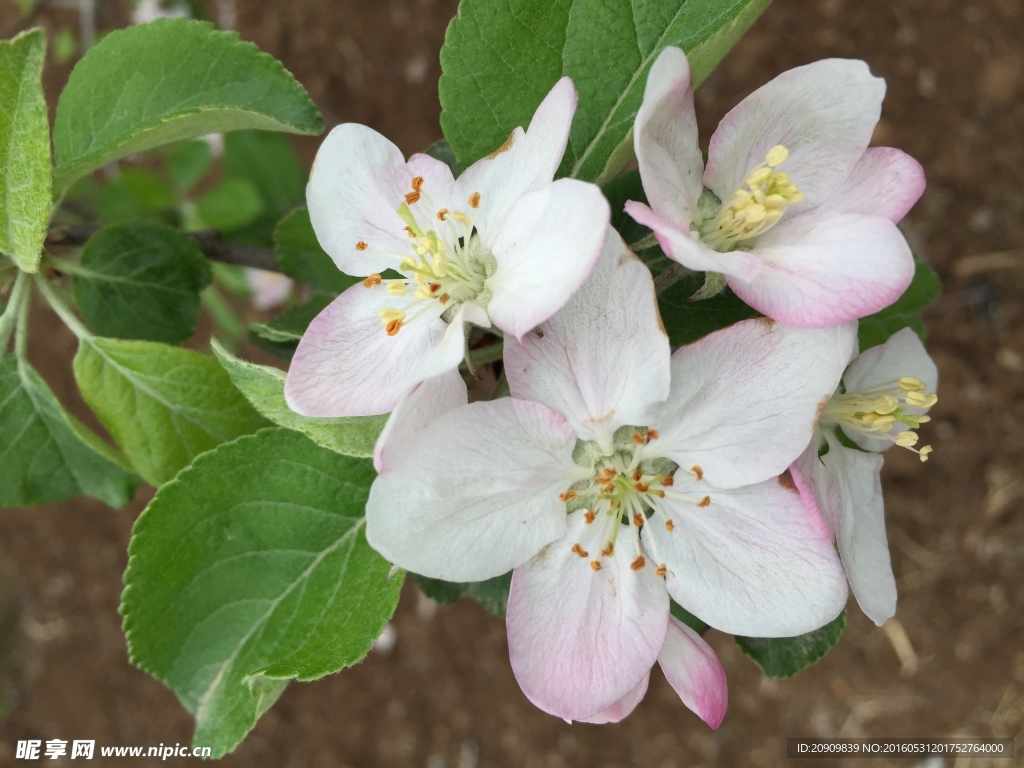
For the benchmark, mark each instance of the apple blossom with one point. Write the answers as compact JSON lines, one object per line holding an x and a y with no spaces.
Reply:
{"x":886,"y":394}
{"x":618,"y":475}
{"x":811,"y":246}
{"x":502,"y":244}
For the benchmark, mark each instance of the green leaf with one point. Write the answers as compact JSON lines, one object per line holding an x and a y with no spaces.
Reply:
{"x":173,"y":79}
{"x":302,"y":258}
{"x":47,"y":455}
{"x":782,"y":657}
{"x":24,"y":149}
{"x":162,"y":405}
{"x":280,"y":335}
{"x":618,"y":192}
{"x":442,"y":150}
{"x":134,"y":194}
{"x":231,"y":204}
{"x":252,"y":568}
{"x":499,"y":60}
{"x":263,"y":386}
{"x":269,"y":162}
{"x":141,"y":281}
{"x":188,"y":162}
{"x":492,"y":594}
{"x":686,"y":321}
{"x":905,"y":312}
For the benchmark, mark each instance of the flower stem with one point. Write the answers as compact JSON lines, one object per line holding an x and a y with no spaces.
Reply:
{"x":63,"y":311}
{"x":489,"y":354}
{"x":670,"y":277}
{"x":644,"y":243}
{"x":9,"y":318}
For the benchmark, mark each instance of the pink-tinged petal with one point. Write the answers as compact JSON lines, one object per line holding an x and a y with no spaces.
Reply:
{"x":427,"y":401}
{"x":359,"y":180}
{"x":665,"y":141}
{"x":449,"y":352}
{"x":526,"y":162}
{"x":679,"y":245}
{"x":745,"y":399}
{"x":579,"y":639}
{"x":824,"y":113}
{"x":545,"y":250}
{"x":829,"y":269}
{"x":749,"y":562}
{"x":847,"y":486}
{"x":475,"y":493}
{"x":604,"y":358}
{"x":695,"y":673}
{"x":884,"y":182}
{"x":902,"y":354}
{"x":347,"y":365}
{"x":622,"y":708}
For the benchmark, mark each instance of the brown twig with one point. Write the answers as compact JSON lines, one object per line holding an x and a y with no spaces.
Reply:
{"x":210,"y":242}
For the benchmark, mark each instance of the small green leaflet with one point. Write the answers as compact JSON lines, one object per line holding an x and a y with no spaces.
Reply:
{"x":47,"y":455}
{"x":232,"y":204}
{"x":281,"y":334}
{"x":134,"y":194}
{"x":492,"y":594}
{"x":606,"y":48}
{"x":906,"y":311}
{"x":141,"y":281}
{"x":263,"y":386}
{"x":188,"y":162}
{"x":782,"y":657}
{"x":270,"y":163}
{"x":162,"y":405}
{"x":250,"y":569}
{"x":173,"y":79}
{"x":24,"y":149}
{"x":302,"y":258}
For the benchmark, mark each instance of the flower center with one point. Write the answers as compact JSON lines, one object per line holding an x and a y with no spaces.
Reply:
{"x":446,"y":264}
{"x":755,"y":207}
{"x":624,"y":494}
{"x":876,"y":411}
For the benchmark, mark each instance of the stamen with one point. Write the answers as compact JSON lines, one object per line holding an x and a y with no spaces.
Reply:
{"x":361,"y":246}
{"x":638,"y":519}
{"x":595,"y":565}
{"x":609,"y":548}
{"x":474,"y":200}
{"x":589,"y":516}
{"x":393,"y":326}
{"x":881,"y":412}
{"x":661,"y":570}
{"x":412,"y":197}
{"x":372,"y":280}
{"x":670,"y":526}
{"x":697,"y":472}
{"x":638,"y":564}
{"x":579,"y":550}
{"x":704,"y":502}
{"x":417,"y":183}
{"x":567,"y":496}
{"x":441,"y":214}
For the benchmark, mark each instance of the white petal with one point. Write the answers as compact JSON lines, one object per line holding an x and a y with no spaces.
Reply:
{"x":824,"y":113}
{"x":665,"y":141}
{"x":604,"y":358}
{"x":825,"y":269}
{"x":428,"y":401}
{"x":359,"y":180}
{"x":680,"y":245}
{"x":622,"y":708}
{"x":695,"y":673}
{"x":545,"y":250}
{"x":902,"y":354}
{"x":475,"y":492}
{"x":751,"y":562}
{"x":526,"y":162}
{"x":745,"y":399}
{"x":847,"y":485}
{"x":580,"y":640}
{"x":884,"y":182}
{"x":347,"y":365}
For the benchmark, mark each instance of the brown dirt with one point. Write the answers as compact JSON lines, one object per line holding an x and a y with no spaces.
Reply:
{"x":445,"y":695}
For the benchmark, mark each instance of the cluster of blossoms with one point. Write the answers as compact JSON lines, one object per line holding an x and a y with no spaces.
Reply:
{"x":619,"y":475}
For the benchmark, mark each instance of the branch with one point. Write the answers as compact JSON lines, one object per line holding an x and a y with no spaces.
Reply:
{"x":210,"y":242}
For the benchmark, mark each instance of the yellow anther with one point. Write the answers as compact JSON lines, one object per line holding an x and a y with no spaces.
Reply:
{"x":921,"y":400}
{"x":755,"y":177}
{"x":361,"y":245}
{"x":397,"y":288}
{"x":776,"y":155}
{"x":886,"y":404}
{"x":661,"y":570}
{"x":595,"y":566}
{"x":923,"y":453}
{"x":462,"y":218}
{"x":393,"y":327}
{"x":474,"y":200}
{"x":906,"y":439}
{"x":911,"y":384}
{"x":439,"y":265}
{"x":408,"y":262}
{"x":387,"y":315}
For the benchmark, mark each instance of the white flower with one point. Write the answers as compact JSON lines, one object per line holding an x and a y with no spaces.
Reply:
{"x":615,"y":476}
{"x":810,"y":246}
{"x":886,"y":393}
{"x":503,"y":244}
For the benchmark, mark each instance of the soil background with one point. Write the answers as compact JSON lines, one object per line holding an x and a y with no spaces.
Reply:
{"x":952,"y":663}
